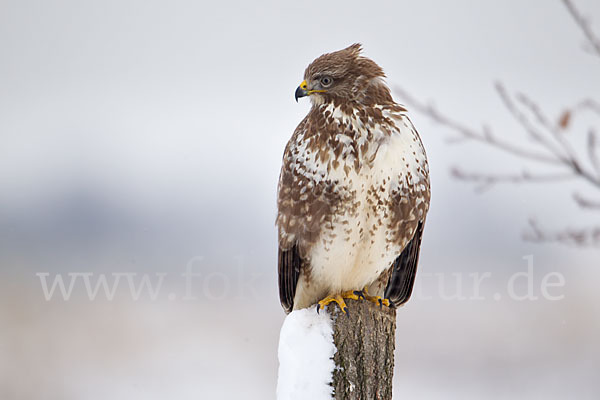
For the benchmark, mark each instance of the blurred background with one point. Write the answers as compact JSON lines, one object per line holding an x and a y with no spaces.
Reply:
{"x":141,"y":141}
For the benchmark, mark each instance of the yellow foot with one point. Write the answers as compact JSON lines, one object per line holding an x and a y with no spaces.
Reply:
{"x":363,"y":294}
{"x":339,"y":299}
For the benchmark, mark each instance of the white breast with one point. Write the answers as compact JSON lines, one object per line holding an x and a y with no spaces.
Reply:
{"x":355,"y":251}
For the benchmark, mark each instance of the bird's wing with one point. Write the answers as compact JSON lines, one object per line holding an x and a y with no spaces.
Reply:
{"x":289,"y":272}
{"x":404,"y":270}
{"x":410,"y":206}
{"x":291,"y":223}
{"x":304,"y":202}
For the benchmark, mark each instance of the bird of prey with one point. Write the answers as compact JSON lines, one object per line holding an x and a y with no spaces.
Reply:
{"x":353,"y":190}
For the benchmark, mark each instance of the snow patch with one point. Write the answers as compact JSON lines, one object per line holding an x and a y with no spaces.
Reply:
{"x":306,"y":352}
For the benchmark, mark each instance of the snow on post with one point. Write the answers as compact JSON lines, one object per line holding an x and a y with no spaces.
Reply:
{"x":306,"y":351}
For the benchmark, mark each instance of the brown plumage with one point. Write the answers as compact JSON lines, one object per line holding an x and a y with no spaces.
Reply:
{"x":353,"y":190}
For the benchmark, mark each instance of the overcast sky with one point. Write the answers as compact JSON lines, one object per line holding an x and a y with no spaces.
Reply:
{"x":140,"y":122}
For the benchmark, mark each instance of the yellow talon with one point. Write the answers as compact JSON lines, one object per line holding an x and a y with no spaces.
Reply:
{"x":350,"y":294}
{"x":339,"y":299}
{"x":354,"y":295}
{"x":329,"y":299}
{"x":375,"y":299}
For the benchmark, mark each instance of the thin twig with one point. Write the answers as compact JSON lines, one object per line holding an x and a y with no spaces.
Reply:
{"x":564,"y":155}
{"x":592,"y":145}
{"x":584,"y":25}
{"x":486,"y":136}
{"x":551,"y":146}
{"x":586,"y":203}
{"x":575,"y":237}
{"x":486,"y":181}
{"x":589,"y":104}
{"x":546,"y":124}
{"x":570,"y":158}
{"x":527,"y":126}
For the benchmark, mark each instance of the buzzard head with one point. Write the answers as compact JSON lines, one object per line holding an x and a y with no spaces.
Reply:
{"x":344,"y":76}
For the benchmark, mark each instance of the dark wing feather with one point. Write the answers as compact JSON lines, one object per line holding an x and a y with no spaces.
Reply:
{"x":289,"y":271}
{"x":404,"y":270}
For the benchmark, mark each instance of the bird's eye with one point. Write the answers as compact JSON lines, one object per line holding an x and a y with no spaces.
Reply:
{"x":326,"y":81}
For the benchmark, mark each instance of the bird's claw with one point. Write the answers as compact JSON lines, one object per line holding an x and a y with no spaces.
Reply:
{"x":339,"y":299}
{"x":359,"y":294}
{"x":380,"y":301}
{"x":354,"y":295}
{"x":383,"y":302}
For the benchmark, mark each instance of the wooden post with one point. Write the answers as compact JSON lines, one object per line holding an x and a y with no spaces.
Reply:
{"x":365,"y":341}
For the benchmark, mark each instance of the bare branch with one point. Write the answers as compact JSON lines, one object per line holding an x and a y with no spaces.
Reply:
{"x":545,"y":122}
{"x":486,"y":181}
{"x":568,"y":114}
{"x":536,"y":234}
{"x":550,"y":145}
{"x":592,"y":146}
{"x":570,"y":157}
{"x":586,"y":203}
{"x":589,"y":104}
{"x":485,"y":136}
{"x":524,"y":122}
{"x":582,"y":237}
{"x":584,"y":25}
{"x":562,"y":155}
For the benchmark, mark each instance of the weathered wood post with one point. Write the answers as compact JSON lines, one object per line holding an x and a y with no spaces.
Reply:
{"x":365,"y":341}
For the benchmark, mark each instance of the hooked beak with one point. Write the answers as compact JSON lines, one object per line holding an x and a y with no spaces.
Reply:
{"x":301,"y":91}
